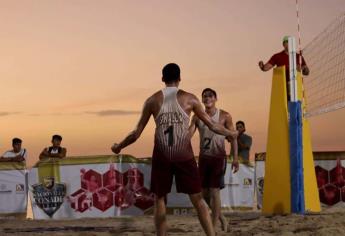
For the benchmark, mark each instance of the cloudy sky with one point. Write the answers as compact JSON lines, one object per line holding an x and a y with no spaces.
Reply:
{"x":82,"y":69}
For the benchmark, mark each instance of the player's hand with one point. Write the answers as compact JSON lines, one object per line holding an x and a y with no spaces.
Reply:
{"x":261,"y":64}
{"x":233,"y":135}
{"x":235,"y":166}
{"x":116,"y":148}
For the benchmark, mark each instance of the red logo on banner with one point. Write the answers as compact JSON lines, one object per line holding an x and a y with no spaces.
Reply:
{"x":331,"y":184}
{"x":111,"y":188}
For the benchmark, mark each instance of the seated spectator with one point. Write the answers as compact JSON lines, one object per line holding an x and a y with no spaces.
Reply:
{"x":17,"y":154}
{"x":55,"y":151}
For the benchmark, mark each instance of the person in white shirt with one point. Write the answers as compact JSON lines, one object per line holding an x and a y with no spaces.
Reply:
{"x":17,"y":154}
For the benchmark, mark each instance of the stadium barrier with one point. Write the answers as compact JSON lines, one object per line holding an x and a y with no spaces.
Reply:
{"x":102,"y":186}
{"x":13,"y":189}
{"x":108,"y":186}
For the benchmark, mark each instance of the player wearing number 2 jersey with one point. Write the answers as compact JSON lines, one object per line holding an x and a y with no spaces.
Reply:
{"x":173,"y":155}
{"x":212,"y":156}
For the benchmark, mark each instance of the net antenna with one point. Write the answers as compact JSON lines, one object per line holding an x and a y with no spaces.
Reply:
{"x":325,"y":57}
{"x":299,"y":34}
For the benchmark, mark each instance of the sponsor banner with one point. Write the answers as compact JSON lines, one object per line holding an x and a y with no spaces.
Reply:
{"x":13,"y":188}
{"x":108,"y":186}
{"x":330,"y":176}
{"x":99,"y":187}
{"x":259,"y":182}
{"x":239,"y":188}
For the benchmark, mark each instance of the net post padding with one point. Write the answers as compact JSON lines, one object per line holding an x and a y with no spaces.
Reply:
{"x":276,"y":196}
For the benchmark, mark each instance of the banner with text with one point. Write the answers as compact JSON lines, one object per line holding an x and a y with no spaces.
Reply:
{"x":13,"y":188}
{"x":107,"y":186}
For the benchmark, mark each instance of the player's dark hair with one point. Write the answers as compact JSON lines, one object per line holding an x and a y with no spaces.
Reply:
{"x":57,"y":137}
{"x":171,"y":73}
{"x":16,"y":141}
{"x":209,"y":90}
{"x":240,"y":123}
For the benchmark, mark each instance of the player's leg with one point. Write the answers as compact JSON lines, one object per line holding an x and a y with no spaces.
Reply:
{"x":160,"y":216}
{"x":188,"y":181}
{"x":206,"y":196}
{"x":204,"y":177}
{"x":222,"y":218}
{"x":215,"y":205}
{"x":161,"y":181}
{"x":223,"y":222}
{"x":215,"y":183}
{"x":203,"y":214}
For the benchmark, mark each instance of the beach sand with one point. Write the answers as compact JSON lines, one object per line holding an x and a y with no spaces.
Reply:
{"x":329,"y":222}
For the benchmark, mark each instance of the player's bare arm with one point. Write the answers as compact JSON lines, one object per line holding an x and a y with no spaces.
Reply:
{"x":135,"y":134}
{"x":230,"y":125}
{"x":215,"y":127}
{"x":193,"y":125}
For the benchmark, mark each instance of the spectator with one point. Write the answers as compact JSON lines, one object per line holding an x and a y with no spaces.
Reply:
{"x":55,"y":151}
{"x":244,"y":142}
{"x":17,"y":154}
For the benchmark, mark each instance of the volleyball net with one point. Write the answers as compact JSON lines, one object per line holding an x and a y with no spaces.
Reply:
{"x":325,"y":56}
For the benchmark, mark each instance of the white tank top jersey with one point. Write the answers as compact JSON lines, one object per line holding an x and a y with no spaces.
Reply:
{"x":211,"y":144}
{"x":172,"y":138}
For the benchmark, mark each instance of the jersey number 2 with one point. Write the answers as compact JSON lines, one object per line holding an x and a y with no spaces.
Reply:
{"x":207,"y":142}
{"x":170,"y":132}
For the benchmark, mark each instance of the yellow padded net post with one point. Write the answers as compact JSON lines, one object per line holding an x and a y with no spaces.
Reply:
{"x":276,"y":199}
{"x":277,"y":187}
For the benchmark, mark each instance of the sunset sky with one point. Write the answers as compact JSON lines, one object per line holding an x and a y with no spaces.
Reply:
{"x":83,"y":69}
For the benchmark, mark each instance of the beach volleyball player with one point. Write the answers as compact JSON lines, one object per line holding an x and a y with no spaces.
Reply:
{"x":212,"y":155}
{"x":172,"y":153}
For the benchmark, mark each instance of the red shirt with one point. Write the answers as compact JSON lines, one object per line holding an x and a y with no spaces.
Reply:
{"x":282,"y":59}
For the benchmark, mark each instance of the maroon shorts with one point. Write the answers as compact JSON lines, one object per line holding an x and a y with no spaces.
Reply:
{"x":211,"y":171}
{"x":186,"y":174}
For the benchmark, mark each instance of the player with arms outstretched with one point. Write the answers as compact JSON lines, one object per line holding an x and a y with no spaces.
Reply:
{"x":173,"y":154}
